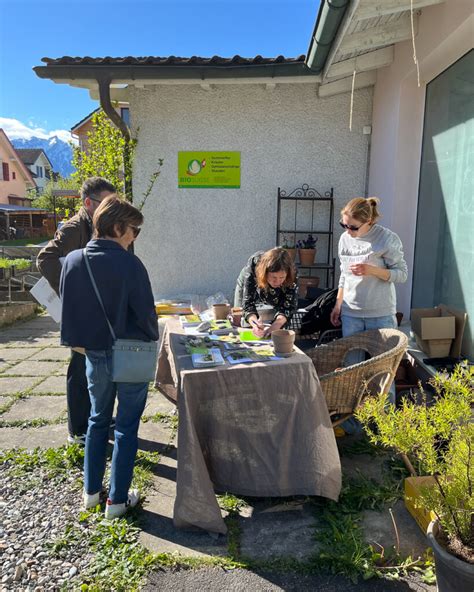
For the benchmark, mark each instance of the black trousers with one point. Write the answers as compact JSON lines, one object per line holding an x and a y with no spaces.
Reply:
{"x":78,"y":402}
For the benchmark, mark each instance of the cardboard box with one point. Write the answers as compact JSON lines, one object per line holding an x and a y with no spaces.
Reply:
{"x":412,"y":488}
{"x":460,"y":320}
{"x":434,"y":329}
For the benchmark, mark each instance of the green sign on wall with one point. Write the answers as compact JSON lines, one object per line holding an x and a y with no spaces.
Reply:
{"x":209,"y":170}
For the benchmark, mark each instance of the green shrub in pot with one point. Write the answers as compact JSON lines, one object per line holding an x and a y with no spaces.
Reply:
{"x":438,"y":439}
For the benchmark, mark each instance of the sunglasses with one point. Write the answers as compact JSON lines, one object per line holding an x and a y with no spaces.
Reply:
{"x":94,"y":199}
{"x":136,"y":230}
{"x":350,"y":227}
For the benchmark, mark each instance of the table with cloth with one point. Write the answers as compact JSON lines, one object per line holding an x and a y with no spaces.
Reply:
{"x":259,"y":429}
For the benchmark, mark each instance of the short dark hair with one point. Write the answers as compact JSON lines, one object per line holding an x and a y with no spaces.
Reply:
{"x":93,"y":187}
{"x":112,"y":211}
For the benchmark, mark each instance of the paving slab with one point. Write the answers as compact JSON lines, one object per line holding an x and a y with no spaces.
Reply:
{"x":30,"y":342}
{"x":157,"y":403}
{"x":9,"y":353}
{"x":52,"y":384}
{"x":30,"y":408}
{"x":156,"y":520}
{"x":50,"y":436}
{"x":378,"y":527}
{"x":10,"y":385}
{"x":52,"y":353}
{"x":278,"y":529}
{"x":3,"y":365}
{"x":34,"y":368}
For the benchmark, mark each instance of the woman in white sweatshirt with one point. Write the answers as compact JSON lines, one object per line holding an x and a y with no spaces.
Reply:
{"x":371,"y":259}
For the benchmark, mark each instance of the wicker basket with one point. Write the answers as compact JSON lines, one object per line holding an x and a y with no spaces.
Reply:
{"x":345,"y":388}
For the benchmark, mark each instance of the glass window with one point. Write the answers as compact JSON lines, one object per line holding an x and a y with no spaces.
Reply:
{"x":444,"y":248}
{"x":125,"y":115}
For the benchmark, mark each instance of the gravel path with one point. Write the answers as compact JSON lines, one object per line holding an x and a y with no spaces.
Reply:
{"x":34,"y":511}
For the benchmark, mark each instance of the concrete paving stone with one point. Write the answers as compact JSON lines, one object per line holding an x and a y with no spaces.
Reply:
{"x":50,"y":436}
{"x":157,"y":403}
{"x":158,"y":533}
{"x":52,"y":353}
{"x":154,"y":436}
{"x":30,"y":342}
{"x":3,"y":365}
{"x":50,"y":408}
{"x":18,"y":384}
{"x":278,"y":529}
{"x":378,"y":527}
{"x":52,"y":384}
{"x":34,"y":368}
{"x":13,"y":354}
{"x":370,"y":467}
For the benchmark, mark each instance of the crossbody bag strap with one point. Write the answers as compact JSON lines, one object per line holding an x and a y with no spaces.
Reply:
{"x":97,"y":293}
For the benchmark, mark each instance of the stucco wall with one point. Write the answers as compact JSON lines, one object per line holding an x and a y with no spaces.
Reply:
{"x":13,"y":186}
{"x":197,"y":240}
{"x":445,"y":33}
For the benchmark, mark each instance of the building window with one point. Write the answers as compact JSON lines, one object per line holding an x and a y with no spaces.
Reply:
{"x":6,"y":171}
{"x":13,"y":175}
{"x":39,"y":171}
{"x":125,"y":115}
{"x":444,"y":247}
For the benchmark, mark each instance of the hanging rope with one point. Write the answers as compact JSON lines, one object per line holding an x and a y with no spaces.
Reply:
{"x":352,"y":99}
{"x":415,"y":59}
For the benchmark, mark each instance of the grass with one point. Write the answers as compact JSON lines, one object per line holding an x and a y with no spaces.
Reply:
{"x":25,"y":242}
{"x":119,"y":562}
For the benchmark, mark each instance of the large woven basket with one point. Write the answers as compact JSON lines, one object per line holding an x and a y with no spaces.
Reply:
{"x":346,"y":387}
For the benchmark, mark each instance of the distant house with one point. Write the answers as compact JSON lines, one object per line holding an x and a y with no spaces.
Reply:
{"x":17,"y":217}
{"x":81,"y":129}
{"x":16,"y":178}
{"x":39,"y":164}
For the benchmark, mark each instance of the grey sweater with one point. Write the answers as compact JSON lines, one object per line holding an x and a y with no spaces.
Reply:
{"x":369,"y":296}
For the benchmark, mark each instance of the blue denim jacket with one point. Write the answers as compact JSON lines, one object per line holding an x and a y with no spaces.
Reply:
{"x":125,"y":289}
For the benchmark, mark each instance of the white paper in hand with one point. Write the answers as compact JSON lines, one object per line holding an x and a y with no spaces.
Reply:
{"x":47,"y":297}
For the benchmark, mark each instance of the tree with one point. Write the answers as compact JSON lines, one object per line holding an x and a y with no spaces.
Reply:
{"x":103,"y":156}
{"x":62,"y":206}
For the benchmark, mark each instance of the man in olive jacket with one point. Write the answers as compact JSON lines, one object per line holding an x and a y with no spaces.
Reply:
{"x":75,"y":234}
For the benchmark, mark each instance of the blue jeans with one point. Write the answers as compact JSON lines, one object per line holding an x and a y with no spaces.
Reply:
{"x":350,"y":326}
{"x":131,"y":403}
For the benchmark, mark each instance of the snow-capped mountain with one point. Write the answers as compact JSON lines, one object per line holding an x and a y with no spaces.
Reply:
{"x":58,"y":152}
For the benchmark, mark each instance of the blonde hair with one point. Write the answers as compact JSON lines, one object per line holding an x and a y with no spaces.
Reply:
{"x":274,"y":260}
{"x":363,"y":209}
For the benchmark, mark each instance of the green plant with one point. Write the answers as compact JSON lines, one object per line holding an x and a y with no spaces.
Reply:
{"x":438,"y":439}
{"x":18,"y":263}
{"x":288,"y":241}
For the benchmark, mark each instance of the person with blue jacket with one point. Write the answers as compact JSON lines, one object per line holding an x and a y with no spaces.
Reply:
{"x":125,"y":289}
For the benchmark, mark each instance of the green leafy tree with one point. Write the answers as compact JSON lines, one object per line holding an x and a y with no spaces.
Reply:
{"x":109,"y":154}
{"x":104,"y":156}
{"x":62,"y":206}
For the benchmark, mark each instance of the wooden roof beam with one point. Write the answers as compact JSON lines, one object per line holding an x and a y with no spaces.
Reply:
{"x":387,"y":34}
{"x":363,"y":63}
{"x":370,"y":9}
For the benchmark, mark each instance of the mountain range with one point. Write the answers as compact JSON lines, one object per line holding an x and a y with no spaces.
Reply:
{"x":58,"y":152}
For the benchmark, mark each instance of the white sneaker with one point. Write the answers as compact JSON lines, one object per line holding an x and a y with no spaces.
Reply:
{"x":116,"y":510}
{"x":91,"y":500}
{"x":80,"y":440}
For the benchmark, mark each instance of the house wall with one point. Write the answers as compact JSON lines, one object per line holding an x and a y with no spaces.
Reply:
{"x":41,"y":161}
{"x":197,"y":240}
{"x":13,"y":186}
{"x":445,"y":33}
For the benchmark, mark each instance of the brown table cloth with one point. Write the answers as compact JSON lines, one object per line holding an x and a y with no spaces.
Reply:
{"x":259,"y":429}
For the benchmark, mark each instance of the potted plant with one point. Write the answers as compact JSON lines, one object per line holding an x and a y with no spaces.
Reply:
{"x":307,"y":249}
{"x":289,"y":245}
{"x":437,"y":439}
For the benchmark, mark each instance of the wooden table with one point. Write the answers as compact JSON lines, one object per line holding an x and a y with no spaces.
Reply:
{"x":260,"y":429}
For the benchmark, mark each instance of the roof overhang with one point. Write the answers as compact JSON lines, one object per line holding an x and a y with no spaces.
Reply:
{"x":359,"y":36}
{"x":121,"y":73}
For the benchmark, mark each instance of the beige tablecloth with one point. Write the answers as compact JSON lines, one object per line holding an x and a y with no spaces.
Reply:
{"x":258,"y":429}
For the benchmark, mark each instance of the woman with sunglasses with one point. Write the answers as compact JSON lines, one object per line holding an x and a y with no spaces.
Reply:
{"x":124,"y":288}
{"x":372,"y":262}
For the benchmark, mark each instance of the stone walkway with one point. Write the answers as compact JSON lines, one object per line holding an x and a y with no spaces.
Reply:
{"x":33,"y":413}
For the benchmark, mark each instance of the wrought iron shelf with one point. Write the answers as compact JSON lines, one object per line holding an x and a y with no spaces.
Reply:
{"x":304,"y":209}
{"x":293,"y":231}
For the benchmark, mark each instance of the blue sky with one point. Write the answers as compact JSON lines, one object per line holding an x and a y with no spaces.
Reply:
{"x":30,"y":30}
